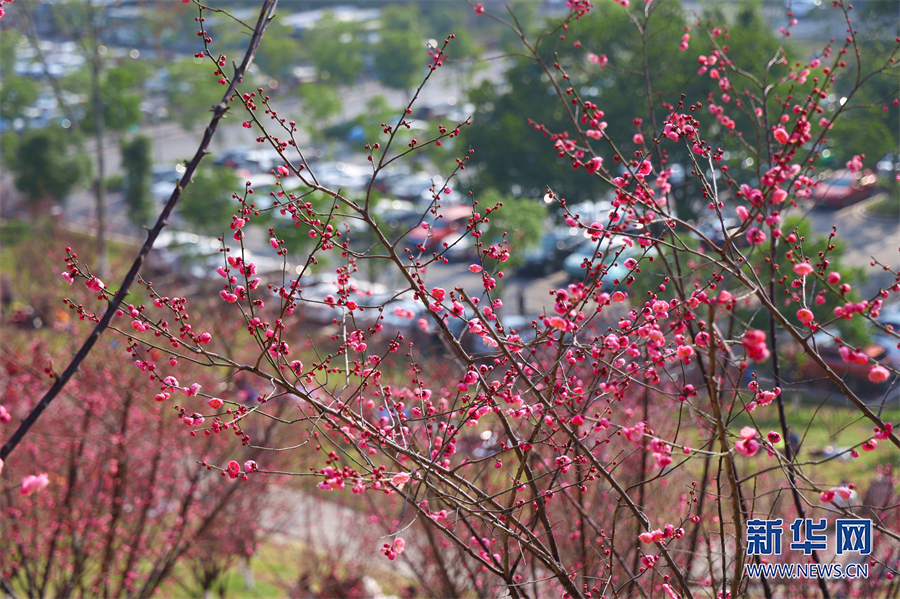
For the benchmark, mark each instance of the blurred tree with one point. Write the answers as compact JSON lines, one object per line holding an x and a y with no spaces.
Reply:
{"x":296,"y":240}
{"x":43,"y":169}
{"x":120,"y":96}
{"x":520,"y":222}
{"x":336,"y":49}
{"x":377,"y":112}
{"x":852,"y":331}
{"x":86,"y":23}
{"x":321,"y":104}
{"x":207,"y":203}
{"x":278,"y":52}
{"x":506,"y":38}
{"x":191,"y":92}
{"x":521,"y":159}
{"x":619,"y":90}
{"x":861,"y":130}
{"x":9,"y":40}
{"x":16,"y":94}
{"x":23,"y":36}
{"x":440,"y":19}
{"x":9,"y":144}
{"x":400,"y":53}
{"x":136,"y":159}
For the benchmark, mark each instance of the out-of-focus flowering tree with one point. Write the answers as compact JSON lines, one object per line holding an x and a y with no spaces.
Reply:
{"x":115,"y":501}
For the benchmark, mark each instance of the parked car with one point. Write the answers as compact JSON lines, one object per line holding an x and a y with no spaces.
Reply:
{"x":711,"y":228}
{"x":316,"y":310}
{"x":888,"y":166}
{"x":253,"y":160}
{"x":614,"y":269}
{"x":855,"y":375}
{"x":196,"y":257}
{"x":413,"y":186}
{"x":390,"y":176}
{"x":163,"y":178}
{"x":844,"y":187}
{"x":342,"y":175}
{"x":548,"y":256}
{"x":448,"y":228}
{"x":397,"y":214}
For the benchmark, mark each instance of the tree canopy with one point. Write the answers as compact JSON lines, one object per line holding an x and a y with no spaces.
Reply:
{"x":44,"y":169}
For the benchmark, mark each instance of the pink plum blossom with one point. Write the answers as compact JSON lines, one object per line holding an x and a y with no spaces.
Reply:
{"x":34,"y":483}
{"x":805,"y":315}
{"x":878,"y":374}
{"x":600,"y":60}
{"x":803,"y":268}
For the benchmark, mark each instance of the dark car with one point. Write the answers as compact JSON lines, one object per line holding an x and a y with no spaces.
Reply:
{"x":548,"y":256}
{"x":614,"y":268}
{"x":711,"y":228}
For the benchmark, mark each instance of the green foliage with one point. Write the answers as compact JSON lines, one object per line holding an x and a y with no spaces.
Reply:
{"x":440,"y":19}
{"x":136,"y":159}
{"x":192,"y":91}
{"x":336,"y":50}
{"x":870,"y":132}
{"x":377,"y":112}
{"x":8,"y":42}
{"x":751,"y":41}
{"x":400,"y":53}
{"x":524,"y":158}
{"x":16,"y":93}
{"x":43,"y":168}
{"x":278,"y":52}
{"x":120,"y":96}
{"x":889,"y":203}
{"x":115,"y":183}
{"x":852,"y":331}
{"x":296,"y":238}
{"x":526,"y":13}
{"x":9,"y":144}
{"x":321,"y":103}
{"x":520,"y":219}
{"x":207,"y":203}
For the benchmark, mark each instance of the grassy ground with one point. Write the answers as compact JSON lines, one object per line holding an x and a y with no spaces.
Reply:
{"x":38,"y":251}
{"x":278,"y":569}
{"x":888,"y":205}
{"x":824,"y":427}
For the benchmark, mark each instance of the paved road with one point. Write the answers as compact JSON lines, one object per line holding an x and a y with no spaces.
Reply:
{"x":865,"y":236}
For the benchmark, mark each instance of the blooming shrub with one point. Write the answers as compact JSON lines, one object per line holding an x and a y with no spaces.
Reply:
{"x":117,"y":501}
